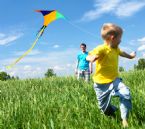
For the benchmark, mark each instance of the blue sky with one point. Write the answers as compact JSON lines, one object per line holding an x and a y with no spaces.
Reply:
{"x":60,"y":42}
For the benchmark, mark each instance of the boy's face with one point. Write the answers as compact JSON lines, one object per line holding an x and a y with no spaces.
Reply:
{"x":115,"y":41}
{"x":83,"y":48}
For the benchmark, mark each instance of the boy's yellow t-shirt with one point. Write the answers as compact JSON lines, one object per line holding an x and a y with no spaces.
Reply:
{"x":106,"y":64}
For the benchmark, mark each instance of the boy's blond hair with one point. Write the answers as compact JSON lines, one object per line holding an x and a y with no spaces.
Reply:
{"x":110,"y":29}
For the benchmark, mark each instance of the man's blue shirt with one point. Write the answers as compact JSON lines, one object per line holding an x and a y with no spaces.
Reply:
{"x":83,"y":63}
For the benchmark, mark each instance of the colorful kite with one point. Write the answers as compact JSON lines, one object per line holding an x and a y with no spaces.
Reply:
{"x":49,"y":16}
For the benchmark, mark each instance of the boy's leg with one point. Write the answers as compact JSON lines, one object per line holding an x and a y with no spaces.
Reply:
{"x":110,"y":111}
{"x":103,"y":92}
{"x":125,"y":99}
{"x":87,"y":75}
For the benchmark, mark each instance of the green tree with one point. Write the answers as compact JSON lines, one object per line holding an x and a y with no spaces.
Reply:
{"x":14,"y":78}
{"x":4,"y":76}
{"x":140,"y":65}
{"x":50,"y":73}
{"x":121,"y":69}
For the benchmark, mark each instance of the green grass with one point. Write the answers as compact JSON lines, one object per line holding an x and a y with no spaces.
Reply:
{"x":65,"y":103}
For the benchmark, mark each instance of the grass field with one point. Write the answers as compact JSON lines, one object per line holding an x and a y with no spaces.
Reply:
{"x":65,"y":103}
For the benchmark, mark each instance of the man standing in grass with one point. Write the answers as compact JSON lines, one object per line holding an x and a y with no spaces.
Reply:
{"x":83,"y":67}
{"x":107,"y":82}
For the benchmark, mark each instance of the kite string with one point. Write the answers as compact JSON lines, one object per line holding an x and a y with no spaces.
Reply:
{"x":81,"y":29}
{"x":28,"y":51}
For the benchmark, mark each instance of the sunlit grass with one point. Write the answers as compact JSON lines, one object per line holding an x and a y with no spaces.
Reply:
{"x":65,"y":103}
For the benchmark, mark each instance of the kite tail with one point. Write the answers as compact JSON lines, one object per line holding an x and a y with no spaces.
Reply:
{"x":41,"y":29}
{"x":29,"y":50}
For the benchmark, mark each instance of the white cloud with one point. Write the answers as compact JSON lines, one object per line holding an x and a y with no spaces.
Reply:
{"x":69,"y":65}
{"x":12,"y":73}
{"x":63,"y":63}
{"x":58,"y":68}
{"x":141,"y":48}
{"x":6,"y":39}
{"x":27,"y":67}
{"x":129,"y":8}
{"x":120,"y":8}
{"x":126,"y":49}
{"x":56,"y":46}
{"x":27,"y":71}
{"x":101,"y":7}
{"x":141,"y":40}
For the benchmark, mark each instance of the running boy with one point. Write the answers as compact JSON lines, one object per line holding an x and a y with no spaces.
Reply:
{"x":83,"y":67}
{"x":106,"y":78}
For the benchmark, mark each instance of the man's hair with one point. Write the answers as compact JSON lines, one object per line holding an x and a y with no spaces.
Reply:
{"x":110,"y":29}
{"x":83,"y":44}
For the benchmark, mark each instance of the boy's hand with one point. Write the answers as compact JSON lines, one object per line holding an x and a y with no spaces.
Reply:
{"x":133,"y":55}
{"x":129,"y":56}
{"x":92,"y":58}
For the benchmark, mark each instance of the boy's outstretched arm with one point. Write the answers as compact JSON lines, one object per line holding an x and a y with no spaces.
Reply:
{"x":129,"y":56}
{"x":92,"y":58}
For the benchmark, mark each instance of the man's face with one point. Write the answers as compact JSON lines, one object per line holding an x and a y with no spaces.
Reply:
{"x":83,"y":48}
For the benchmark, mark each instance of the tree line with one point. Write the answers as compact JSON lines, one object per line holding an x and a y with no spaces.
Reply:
{"x":139,"y":66}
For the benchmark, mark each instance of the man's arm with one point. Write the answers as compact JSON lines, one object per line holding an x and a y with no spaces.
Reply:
{"x":129,"y":56}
